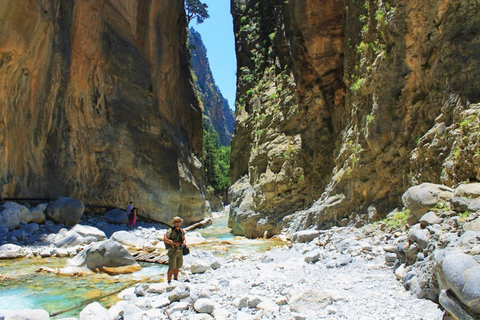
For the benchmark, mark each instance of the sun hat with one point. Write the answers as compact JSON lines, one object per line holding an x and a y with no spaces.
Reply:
{"x":177,"y":218}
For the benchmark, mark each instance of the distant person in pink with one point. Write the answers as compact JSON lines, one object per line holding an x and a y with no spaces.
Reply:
{"x":132,"y":217}
{"x":129,"y":208}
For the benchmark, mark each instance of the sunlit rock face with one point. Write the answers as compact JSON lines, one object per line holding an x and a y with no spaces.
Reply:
{"x":97,"y":104}
{"x":341,"y":106}
{"x":215,"y":106}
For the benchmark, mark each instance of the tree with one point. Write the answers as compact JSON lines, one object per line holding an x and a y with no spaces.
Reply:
{"x":196,"y":9}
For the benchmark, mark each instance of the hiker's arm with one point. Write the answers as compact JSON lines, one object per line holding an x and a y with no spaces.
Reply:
{"x":184,"y":240}
{"x":167,"y":240}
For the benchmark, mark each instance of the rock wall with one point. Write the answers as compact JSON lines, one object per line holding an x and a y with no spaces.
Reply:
{"x":97,"y":104}
{"x":215,"y":106}
{"x":342,"y":105}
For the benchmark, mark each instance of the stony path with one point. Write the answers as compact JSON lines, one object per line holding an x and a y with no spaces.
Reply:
{"x":294,"y":289}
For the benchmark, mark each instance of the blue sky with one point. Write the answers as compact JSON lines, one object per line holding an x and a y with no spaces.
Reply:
{"x":217,"y":35}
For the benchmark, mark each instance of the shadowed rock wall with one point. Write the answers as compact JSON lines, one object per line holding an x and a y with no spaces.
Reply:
{"x":97,"y":104}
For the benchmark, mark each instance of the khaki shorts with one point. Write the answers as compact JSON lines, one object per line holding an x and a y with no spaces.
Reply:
{"x":175,"y":259}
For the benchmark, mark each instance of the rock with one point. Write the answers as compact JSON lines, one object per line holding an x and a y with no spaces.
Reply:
{"x":128,"y":239}
{"x":459,"y":204}
{"x":203,"y":316}
{"x":116,"y":216}
{"x":453,"y":306}
{"x":420,"y":237}
{"x":309,"y":299}
{"x":25,"y":214}
{"x":27,"y":314}
{"x":12,"y":251}
{"x":312,"y":256}
{"x":38,"y":213}
{"x":244,"y":316}
{"x":160,"y":302}
{"x":140,"y":289}
{"x":199,"y":266}
{"x":204,"y":305}
{"x":89,"y":239}
{"x":180,"y":292}
{"x":401,"y":272}
{"x":461,"y":274}
{"x":10,"y":218}
{"x":194,"y":238}
{"x":71,"y":239}
{"x":65,"y":210}
{"x":31,"y":228}
{"x":429,"y":218}
{"x":157,"y":288}
{"x":86,"y":231}
{"x":106,"y":255}
{"x":240,"y":303}
{"x":179,"y":306}
{"x":420,"y":199}
{"x":19,"y":234}
{"x":253,"y":301}
{"x":474,"y":206}
{"x":343,"y":260}
{"x":305,"y":236}
{"x":468,"y":190}
{"x":215,"y":265}
{"x":268,"y":306}
{"x":94,"y":311}
{"x":472,"y":225}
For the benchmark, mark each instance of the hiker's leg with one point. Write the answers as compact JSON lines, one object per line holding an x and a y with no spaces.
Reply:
{"x":175,"y":273}
{"x":169,"y":274}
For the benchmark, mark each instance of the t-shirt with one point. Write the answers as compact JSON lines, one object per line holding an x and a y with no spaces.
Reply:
{"x":129,"y":209}
{"x":176,"y":236}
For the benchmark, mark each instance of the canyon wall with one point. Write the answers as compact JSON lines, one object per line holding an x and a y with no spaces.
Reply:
{"x":97,"y":103}
{"x":215,"y":107}
{"x":342,"y":105}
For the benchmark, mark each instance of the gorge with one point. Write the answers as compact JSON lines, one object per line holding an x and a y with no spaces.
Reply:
{"x":355,"y":144}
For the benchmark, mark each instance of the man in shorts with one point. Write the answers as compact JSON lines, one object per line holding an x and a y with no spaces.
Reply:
{"x":174,"y":239}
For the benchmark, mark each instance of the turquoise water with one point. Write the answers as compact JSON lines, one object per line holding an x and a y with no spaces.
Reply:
{"x":22,"y":288}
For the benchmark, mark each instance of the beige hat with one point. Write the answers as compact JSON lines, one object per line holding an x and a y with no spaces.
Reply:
{"x":177,"y":218}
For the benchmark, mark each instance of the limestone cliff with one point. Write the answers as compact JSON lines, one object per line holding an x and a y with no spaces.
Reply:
{"x":342,"y":105}
{"x":97,"y":103}
{"x":215,"y":106}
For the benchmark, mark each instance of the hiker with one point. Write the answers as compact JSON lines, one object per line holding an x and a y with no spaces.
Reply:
{"x":174,"y":240}
{"x":129,"y":208}
{"x":132,"y":217}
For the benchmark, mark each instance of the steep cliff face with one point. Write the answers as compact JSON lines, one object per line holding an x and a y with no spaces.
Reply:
{"x":97,"y":103}
{"x":215,"y":106}
{"x":342,"y":105}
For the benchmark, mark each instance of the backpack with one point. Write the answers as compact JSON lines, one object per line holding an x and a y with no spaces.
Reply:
{"x":172,"y":231}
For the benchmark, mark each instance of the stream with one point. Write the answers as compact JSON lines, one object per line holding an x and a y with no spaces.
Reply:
{"x":23,"y":288}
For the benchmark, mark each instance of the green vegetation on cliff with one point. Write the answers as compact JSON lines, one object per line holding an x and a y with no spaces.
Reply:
{"x":216,"y":160}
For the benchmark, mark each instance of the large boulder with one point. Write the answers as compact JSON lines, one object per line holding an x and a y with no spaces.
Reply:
{"x":65,"y":210}
{"x":94,"y":311}
{"x":420,"y":199}
{"x":26,"y":314}
{"x":71,"y":239}
{"x":25,"y":214}
{"x":468,"y":190}
{"x":12,"y":251}
{"x":305,"y":235}
{"x":38,"y":213}
{"x":116,"y":216}
{"x":128,"y":239}
{"x":109,"y":256}
{"x":10,"y":218}
{"x":88,"y":231}
{"x":460,"y":273}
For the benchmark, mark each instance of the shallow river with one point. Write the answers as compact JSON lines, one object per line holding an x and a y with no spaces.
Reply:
{"x":23,"y":288}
